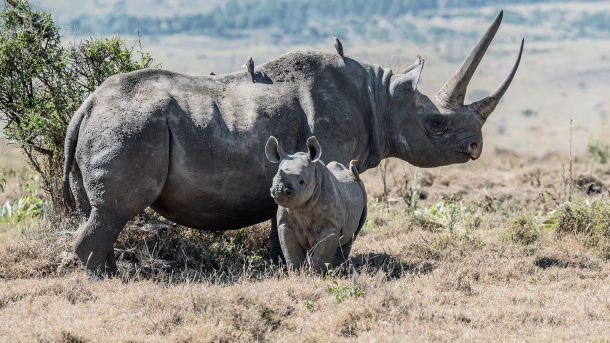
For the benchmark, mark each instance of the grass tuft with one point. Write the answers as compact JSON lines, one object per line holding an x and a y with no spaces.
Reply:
{"x":590,"y":222}
{"x":523,"y":231}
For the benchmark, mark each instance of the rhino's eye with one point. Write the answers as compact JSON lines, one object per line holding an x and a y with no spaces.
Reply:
{"x":436,"y":124}
{"x":301,"y":182}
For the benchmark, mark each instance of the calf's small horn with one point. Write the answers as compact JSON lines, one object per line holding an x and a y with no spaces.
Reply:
{"x":454,"y":91}
{"x":488,"y":104}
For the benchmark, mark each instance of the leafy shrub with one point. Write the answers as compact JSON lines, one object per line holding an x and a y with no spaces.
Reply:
{"x":439,"y":216}
{"x":25,"y":207}
{"x":343,"y":293}
{"x":583,"y":218}
{"x":523,"y":231}
{"x":43,"y":82}
{"x":589,"y":220}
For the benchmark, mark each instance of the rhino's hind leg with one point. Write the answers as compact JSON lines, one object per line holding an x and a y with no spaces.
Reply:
{"x":120,"y":202}
{"x":121,"y":177}
{"x":95,"y":240}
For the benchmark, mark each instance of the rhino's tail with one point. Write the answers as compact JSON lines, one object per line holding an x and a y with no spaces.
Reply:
{"x":69,"y":150}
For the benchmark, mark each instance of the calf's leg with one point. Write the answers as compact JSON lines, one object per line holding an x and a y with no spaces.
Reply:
{"x":325,"y":249}
{"x":342,"y":253}
{"x":293,"y":251}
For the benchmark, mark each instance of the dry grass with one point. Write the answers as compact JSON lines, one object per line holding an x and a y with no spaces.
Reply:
{"x":499,"y":273}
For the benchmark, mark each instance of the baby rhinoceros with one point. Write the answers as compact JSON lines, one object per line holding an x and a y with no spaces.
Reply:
{"x":321,"y":208}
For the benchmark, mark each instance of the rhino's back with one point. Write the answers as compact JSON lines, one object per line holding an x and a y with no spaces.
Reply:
{"x":218,"y":176}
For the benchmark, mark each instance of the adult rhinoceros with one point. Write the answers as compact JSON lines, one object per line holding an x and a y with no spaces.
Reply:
{"x":193,"y":147}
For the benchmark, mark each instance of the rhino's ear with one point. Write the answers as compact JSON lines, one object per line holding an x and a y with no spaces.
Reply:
{"x":314,"y":151}
{"x":404,"y":84}
{"x":274,"y":152}
{"x":415,"y":64}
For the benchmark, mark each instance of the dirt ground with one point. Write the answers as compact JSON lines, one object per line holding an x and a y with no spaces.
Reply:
{"x":485,"y":267}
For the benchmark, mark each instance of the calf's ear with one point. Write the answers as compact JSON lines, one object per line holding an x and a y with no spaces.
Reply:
{"x":314,"y":151}
{"x":274,"y":152}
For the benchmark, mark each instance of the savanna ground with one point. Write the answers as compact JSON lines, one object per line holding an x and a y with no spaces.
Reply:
{"x":482,"y":258}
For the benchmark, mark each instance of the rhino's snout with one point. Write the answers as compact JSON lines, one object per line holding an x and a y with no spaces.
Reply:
{"x":474,"y":149}
{"x":281,"y":192}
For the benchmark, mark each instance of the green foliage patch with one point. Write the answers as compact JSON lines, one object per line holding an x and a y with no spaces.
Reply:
{"x":523,"y":231}
{"x":343,"y":293}
{"x":591,"y":221}
{"x":44,"y":81}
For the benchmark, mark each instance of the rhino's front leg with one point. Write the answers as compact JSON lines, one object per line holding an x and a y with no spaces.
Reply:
{"x":293,"y":251}
{"x":324,"y":251}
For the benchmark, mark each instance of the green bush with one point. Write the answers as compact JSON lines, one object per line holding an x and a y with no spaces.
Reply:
{"x":439,"y":216}
{"x":591,"y":221}
{"x":43,"y":82}
{"x":523,"y":231}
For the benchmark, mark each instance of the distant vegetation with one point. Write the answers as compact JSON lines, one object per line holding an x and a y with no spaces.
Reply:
{"x":304,"y":20}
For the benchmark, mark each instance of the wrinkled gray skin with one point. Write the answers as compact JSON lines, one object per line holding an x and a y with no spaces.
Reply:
{"x":191,"y":147}
{"x":320,"y":208}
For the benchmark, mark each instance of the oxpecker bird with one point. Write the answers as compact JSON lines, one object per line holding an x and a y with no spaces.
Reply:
{"x":249,"y":65}
{"x":353,"y":170}
{"x":338,"y":47}
{"x":212,"y":73}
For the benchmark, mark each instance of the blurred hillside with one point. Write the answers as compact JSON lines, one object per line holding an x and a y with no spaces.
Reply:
{"x":564,"y":74}
{"x":299,"y":21}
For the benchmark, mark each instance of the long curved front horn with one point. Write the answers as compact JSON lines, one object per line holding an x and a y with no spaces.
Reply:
{"x":485,"y":106}
{"x":454,"y":91}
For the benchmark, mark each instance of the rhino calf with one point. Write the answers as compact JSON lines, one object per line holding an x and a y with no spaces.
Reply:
{"x":321,"y":208}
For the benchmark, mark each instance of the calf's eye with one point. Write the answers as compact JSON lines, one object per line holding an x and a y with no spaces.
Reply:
{"x":302,"y":182}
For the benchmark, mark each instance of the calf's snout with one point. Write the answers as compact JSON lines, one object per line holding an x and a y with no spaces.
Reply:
{"x":281,"y":192}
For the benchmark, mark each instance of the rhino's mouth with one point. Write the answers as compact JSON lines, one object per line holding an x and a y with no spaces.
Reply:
{"x":470,"y":156}
{"x":280,"y":198}
{"x":473,"y":151}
